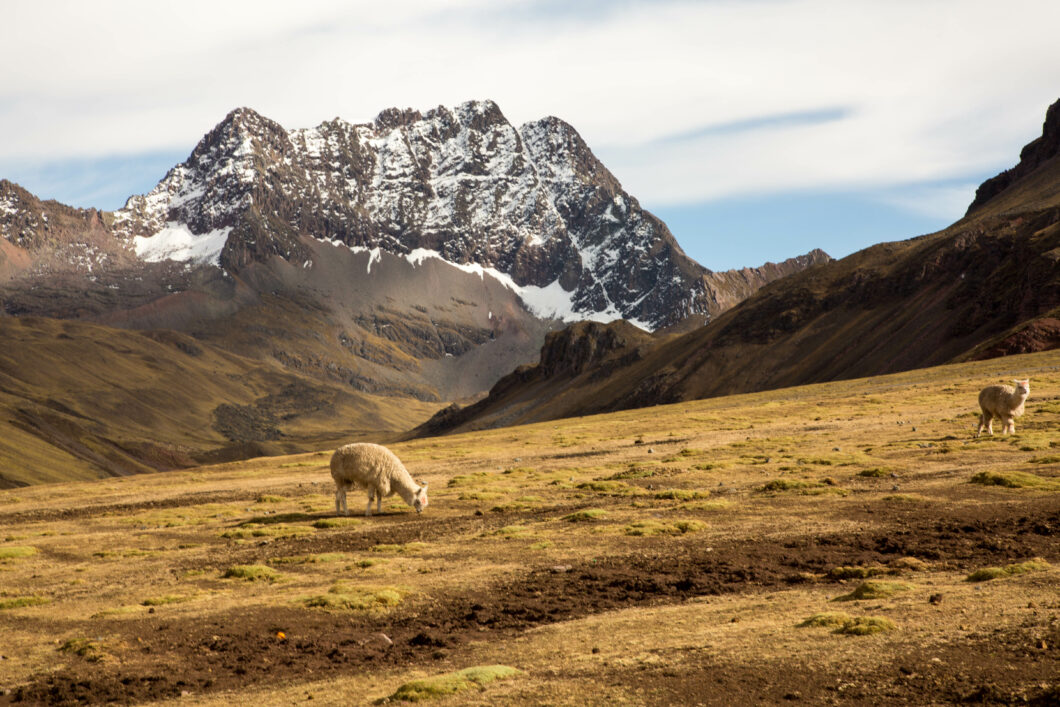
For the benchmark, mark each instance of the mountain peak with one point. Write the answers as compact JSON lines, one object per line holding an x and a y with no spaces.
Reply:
{"x":1033,"y":155}
{"x":533,"y":205}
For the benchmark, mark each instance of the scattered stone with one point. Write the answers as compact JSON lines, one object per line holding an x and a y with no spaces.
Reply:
{"x":651,"y":451}
{"x":935,"y":599}
{"x":560,"y":569}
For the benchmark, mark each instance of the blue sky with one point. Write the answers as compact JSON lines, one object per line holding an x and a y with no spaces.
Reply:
{"x":757,"y":129}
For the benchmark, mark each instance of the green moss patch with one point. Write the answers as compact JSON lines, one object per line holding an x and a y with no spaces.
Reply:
{"x":874,"y":590}
{"x":1015,"y":480}
{"x":15,"y":552}
{"x":588,"y":515}
{"x":165,"y":599}
{"x":452,"y":683}
{"x":988,"y":573}
{"x":19,"y":602}
{"x":338,"y":522}
{"x":635,"y":471}
{"x":856,"y":572}
{"x":846,"y":624}
{"x":468,"y":479}
{"x":251,"y":573}
{"x":866,"y":626}
{"x":376,"y":600}
{"x":480,"y":496}
{"x":609,"y":488}
{"x":680,"y":495}
{"x":810,"y":488}
{"x":828,"y":619}
{"x":651,"y":527}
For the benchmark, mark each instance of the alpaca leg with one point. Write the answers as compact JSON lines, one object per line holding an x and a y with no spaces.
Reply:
{"x":1010,"y":425}
{"x":379,"y":503}
{"x":368,"y":509}
{"x":986,"y":421}
{"x":340,"y":501}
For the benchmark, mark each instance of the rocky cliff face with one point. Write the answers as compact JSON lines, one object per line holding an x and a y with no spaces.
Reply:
{"x":532,"y":203}
{"x":1033,"y":155}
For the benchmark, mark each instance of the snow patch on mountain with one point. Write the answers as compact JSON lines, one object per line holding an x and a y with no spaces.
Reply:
{"x":549,"y":302}
{"x":176,"y":242}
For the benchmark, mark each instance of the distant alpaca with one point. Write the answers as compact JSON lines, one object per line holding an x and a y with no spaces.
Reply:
{"x":375,"y":469}
{"x":1003,"y":402}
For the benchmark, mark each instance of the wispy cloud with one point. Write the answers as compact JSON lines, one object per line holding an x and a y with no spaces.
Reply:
{"x":684,"y":101}
{"x":757,"y":123}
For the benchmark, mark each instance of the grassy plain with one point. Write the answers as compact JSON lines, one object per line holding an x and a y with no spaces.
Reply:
{"x":811,"y":544}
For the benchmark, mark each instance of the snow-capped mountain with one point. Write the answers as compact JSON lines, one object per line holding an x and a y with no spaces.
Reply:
{"x":532,"y":206}
{"x":420,"y":255}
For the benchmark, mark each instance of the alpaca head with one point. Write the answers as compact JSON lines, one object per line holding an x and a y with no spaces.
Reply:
{"x":1023,"y":387}
{"x":419,"y":501}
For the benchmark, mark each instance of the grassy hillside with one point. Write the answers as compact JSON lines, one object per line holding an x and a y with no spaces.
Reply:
{"x":81,"y":401}
{"x":844,"y":542}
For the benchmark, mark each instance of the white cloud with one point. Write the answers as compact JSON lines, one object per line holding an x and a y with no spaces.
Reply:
{"x":930,"y":89}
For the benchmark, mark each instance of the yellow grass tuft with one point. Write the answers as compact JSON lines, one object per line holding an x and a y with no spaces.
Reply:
{"x":375,"y":600}
{"x":452,"y":683}
{"x":989,"y":573}
{"x":16,"y":552}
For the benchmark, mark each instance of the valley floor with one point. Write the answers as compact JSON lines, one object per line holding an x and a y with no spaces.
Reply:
{"x":842,"y":543}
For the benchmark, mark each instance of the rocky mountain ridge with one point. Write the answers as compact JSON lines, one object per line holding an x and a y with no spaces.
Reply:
{"x":533,"y":203}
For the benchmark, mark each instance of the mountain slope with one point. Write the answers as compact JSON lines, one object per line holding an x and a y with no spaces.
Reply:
{"x":987,"y":286}
{"x":82,"y":401}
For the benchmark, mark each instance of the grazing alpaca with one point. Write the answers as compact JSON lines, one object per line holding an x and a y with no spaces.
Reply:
{"x":375,"y":469}
{"x":1003,"y":402}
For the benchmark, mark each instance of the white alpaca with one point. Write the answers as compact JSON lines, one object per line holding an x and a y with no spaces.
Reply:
{"x":1003,"y":402}
{"x":375,"y":469}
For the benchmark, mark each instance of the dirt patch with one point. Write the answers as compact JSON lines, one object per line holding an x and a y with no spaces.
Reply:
{"x":976,"y":670}
{"x":229,"y":651}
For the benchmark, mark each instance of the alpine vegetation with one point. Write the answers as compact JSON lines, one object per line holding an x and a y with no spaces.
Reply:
{"x":377,"y":470}
{"x":1003,"y":402}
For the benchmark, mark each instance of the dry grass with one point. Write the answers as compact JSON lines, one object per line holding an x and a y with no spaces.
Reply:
{"x":727,"y":478}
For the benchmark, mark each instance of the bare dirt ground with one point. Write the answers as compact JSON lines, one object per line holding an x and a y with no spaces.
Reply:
{"x":660,"y":556}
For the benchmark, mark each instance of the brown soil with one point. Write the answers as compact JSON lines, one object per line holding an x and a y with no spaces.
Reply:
{"x":163,"y":657}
